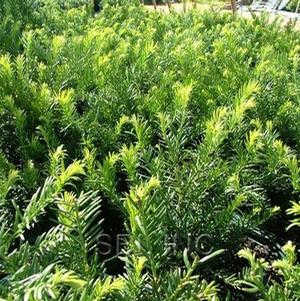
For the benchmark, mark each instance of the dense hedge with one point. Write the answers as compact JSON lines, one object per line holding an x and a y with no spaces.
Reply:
{"x":179,"y":131}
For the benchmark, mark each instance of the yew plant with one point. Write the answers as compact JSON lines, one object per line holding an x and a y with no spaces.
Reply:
{"x":140,"y":151}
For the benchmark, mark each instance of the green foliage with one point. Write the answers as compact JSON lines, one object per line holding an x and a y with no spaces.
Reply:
{"x":180,"y":131}
{"x":258,"y":279}
{"x":276,"y":280}
{"x":292,"y":6}
{"x":295,"y":209}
